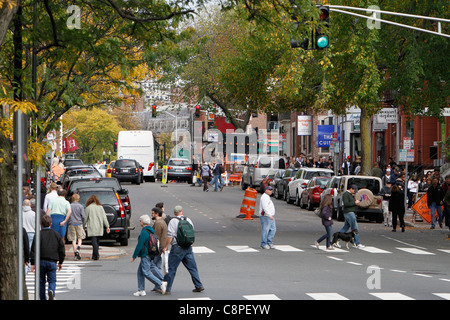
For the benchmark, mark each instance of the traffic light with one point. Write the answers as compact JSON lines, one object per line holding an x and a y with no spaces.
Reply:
{"x":153,"y":111}
{"x":115,"y":146}
{"x":321,"y":40}
{"x":197,"y":111}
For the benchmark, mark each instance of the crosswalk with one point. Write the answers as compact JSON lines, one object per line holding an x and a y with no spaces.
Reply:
{"x":343,"y":249}
{"x":67,"y":279}
{"x":336,"y":296}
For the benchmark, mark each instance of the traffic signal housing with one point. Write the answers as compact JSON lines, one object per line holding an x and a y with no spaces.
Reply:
{"x":321,"y":40}
{"x":197,"y":111}
{"x":153,"y":111}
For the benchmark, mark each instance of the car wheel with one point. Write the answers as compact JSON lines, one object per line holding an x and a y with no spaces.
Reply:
{"x":297,"y":199}
{"x":310,"y":206}
{"x":275,"y":193}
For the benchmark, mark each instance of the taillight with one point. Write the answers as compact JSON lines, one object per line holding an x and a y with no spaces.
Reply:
{"x":169,"y":168}
{"x":121,"y":208}
{"x":188,"y":168}
{"x":332,"y":192}
{"x":137,"y":170}
{"x":256,"y":165}
{"x":114,"y":170}
{"x":150,"y":166}
{"x":127,"y":199}
{"x":109,"y":170}
{"x":317,"y":190}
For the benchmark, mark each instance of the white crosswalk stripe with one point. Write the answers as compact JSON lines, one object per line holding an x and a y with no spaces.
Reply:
{"x":326,"y":296}
{"x":416,"y":251}
{"x":391,"y":296}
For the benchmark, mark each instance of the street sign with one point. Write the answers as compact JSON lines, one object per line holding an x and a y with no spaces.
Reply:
{"x":406,"y":155}
{"x":422,"y":209}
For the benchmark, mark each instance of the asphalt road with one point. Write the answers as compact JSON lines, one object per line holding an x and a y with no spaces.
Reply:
{"x":232,"y":266}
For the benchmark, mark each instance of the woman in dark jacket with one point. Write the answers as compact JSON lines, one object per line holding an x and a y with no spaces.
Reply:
{"x":397,"y":207}
{"x":327,"y":221}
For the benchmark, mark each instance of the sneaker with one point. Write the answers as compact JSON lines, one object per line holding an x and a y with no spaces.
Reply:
{"x":330,"y":248}
{"x":139,"y":293}
{"x":51,"y":295}
{"x":265,"y":246}
{"x":77,"y":255}
{"x":317,"y":244}
{"x":198,"y":289}
{"x":360,"y":246}
{"x":163,"y":287}
{"x":271,"y":246}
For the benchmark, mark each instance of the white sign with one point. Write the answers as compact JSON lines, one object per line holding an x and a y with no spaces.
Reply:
{"x":408,"y":143}
{"x":304,"y":125}
{"x":387,"y":115}
{"x":406,"y":155}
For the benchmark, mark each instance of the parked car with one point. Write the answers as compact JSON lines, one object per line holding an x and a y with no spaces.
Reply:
{"x":76,"y":184}
{"x":101,"y":167}
{"x":127,"y":170}
{"x":258,"y":166}
{"x":267,"y":179}
{"x":72,"y":162}
{"x":78,"y":172}
{"x":331,"y":189}
{"x":276,"y":179}
{"x":280,"y":188}
{"x":369,"y":188}
{"x":302,"y":177}
{"x":310,"y":197}
{"x":119,"y":221}
{"x":179,"y":169}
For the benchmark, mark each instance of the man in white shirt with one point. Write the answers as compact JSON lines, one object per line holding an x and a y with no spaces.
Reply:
{"x":53,"y":194}
{"x":267,"y":218}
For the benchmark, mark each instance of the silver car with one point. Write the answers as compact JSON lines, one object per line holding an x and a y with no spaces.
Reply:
{"x":179,"y":169}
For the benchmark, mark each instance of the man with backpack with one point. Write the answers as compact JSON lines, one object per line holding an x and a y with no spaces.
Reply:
{"x":180,"y":234}
{"x":144,"y":251}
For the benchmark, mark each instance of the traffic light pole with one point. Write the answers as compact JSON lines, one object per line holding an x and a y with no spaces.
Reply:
{"x":337,"y":8}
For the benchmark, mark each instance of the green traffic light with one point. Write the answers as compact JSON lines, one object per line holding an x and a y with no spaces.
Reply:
{"x":322,"y":42}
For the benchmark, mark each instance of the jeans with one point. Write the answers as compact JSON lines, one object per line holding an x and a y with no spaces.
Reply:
{"x":144,"y":272}
{"x":56,"y":220}
{"x":47,"y":274}
{"x":178,"y":254}
{"x":326,"y":236}
{"x":268,"y":230}
{"x":350,"y":223}
{"x":433,"y":209}
{"x":216,"y":182}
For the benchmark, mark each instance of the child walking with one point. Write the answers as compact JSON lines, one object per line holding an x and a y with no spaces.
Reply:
{"x":327,"y":221}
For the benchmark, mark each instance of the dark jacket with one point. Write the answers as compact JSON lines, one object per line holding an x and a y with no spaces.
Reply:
{"x":397,"y":202}
{"x":386,"y":193}
{"x":141,"y":249}
{"x":435,"y":194}
{"x":52,"y":247}
{"x":348,"y":201}
{"x":326,"y":214}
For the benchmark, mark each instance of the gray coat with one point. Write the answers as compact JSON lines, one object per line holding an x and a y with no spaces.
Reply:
{"x":96,"y":220}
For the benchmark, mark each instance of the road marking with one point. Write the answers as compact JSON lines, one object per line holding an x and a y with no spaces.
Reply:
{"x":334,"y":258}
{"x":444,"y":250}
{"x":402,"y":242}
{"x":326,"y":296}
{"x":415,"y":251}
{"x":261,"y":297}
{"x":324,"y":248}
{"x":241,"y":249}
{"x":423,"y":275}
{"x":374,"y":250}
{"x":287,"y":248}
{"x":399,"y":271}
{"x":202,"y":249}
{"x":445,"y":296}
{"x":354,"y":263}
{"x":391,"y":296}
{"x":205,"y":298}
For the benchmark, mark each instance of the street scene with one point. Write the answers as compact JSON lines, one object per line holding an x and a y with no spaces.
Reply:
{"x":220,"y":159}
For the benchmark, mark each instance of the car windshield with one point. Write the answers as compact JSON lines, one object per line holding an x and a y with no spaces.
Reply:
{"x":107,"y":183}
{"x":71,"y":163}
{"x":312,"y":174}
{"x":264,"y":163}
{"x":82,"y":172}
{"x":105,"y":197}
{"x":322,"y":182}
{"x":365,"y":183}
{"x":125,"y":164}
{"x":178,"y":162}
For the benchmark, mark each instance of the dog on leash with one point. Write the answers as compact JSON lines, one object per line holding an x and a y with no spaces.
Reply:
{"x":347,"y":237}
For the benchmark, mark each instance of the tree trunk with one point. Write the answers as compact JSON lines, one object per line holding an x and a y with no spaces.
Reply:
{"x":366,"y":141}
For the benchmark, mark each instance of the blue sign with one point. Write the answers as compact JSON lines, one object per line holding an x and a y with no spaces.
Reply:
{"x":325,"y":135}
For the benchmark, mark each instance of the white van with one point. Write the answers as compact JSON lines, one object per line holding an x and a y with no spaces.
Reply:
{"x":140,"y":146}
{"x":257,"y":167}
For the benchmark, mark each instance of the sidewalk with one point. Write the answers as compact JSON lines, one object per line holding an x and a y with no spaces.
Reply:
{"x":419,"y":223}
{"x":106,"y":252}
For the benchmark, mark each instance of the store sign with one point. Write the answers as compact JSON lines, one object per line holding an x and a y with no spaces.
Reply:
{"x":387,"y":115}
{"x":304,"y":125}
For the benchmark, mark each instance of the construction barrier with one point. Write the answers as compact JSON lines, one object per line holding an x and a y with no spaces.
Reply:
{"x":248,"y":204}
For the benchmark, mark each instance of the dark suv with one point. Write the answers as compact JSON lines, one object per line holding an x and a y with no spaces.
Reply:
{"x":127,"y":170}
{"x":74,"y":185}
{"x":119,"y":221}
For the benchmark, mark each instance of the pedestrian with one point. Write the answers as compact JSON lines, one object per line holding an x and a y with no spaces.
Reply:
{"x":347,"y":167}
{"x":376,"y":171}
{"x":52,"y":255}
{"x":160,"y":227}
{"x":216,"y":180}
{"x":397,"y":207}
{"x":53,"y":194}
{"x":60,"y":211}
{"x":96,"y":222}
{"x":267,"y":218}
{"x":144,"y":269}
{"x":413,"y":188}
{"x":435,"y":200}
{"x":446,"y":188}
{"x":386,"y":194}
{"x":386,"y":177}
{"x":447,"y":212}
{"x":205,"y":172}
{"x":75,"y":228}
{"x":325,"y":212}
{"x":180,"y":254}
{"x":29,"y":221}
{"x":349,"y":207}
